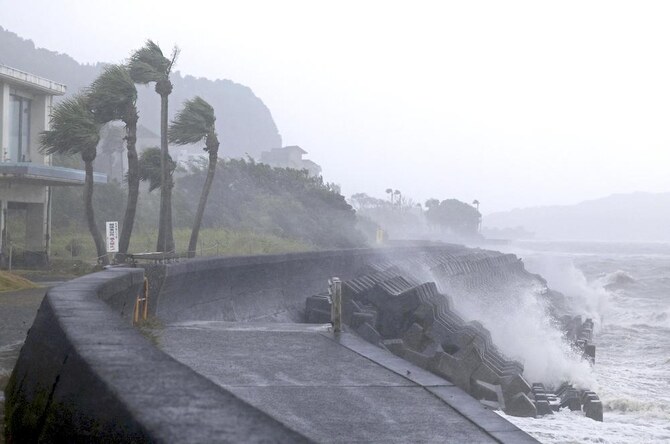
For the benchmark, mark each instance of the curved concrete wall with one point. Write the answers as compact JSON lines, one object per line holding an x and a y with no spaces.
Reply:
{"x":85,"y":374}
{"x":261,"y":287}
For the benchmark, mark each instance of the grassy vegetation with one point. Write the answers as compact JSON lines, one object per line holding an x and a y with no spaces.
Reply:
{"x":11,"y":281}
{"x":150,"y":329}
{"x":78,"y":249}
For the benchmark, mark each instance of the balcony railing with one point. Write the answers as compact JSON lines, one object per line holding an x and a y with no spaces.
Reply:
{"x":27,"y":172}
{"x":32,"y":79}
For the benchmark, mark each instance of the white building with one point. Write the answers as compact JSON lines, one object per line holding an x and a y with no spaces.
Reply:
{"x":290,"y":157}
{"x":26,"y":175}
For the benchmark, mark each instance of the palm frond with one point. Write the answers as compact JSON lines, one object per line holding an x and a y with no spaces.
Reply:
{"x":173,"y":58}
{"x":193,"y":123}
{"x":148,"y":64}
{"x":150,"y":167}
{"x":112,"y":93}
{"x":73,"y":129}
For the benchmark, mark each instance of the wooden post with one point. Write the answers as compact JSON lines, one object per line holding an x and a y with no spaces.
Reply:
{"x":335,"y":291}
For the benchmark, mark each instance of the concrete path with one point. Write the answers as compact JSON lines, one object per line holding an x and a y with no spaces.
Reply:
{"x":17,"y":312}
{"x":333,"y":388}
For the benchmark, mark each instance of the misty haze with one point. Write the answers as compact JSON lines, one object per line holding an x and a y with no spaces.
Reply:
{"x":334,"y":222}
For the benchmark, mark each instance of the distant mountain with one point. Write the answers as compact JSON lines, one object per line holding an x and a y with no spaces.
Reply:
{"x":244,"y":123}
{"x":619,"y":217}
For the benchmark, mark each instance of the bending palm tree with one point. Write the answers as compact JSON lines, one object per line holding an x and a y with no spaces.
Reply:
{"x":75,"y":131}
{"x":193,"y":124}
{"x":113,"y":96}
{"x":147,"y":65}
{"x":150,"y":168}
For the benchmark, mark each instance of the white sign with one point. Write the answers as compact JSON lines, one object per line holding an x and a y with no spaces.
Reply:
{"x":112,"y":237}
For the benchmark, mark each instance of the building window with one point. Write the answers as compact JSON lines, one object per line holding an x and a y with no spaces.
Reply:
{"x":19,"y":130}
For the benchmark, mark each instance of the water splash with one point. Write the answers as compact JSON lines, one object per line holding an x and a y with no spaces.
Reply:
{"x":522,"y":329}
{"x":588,"y":298}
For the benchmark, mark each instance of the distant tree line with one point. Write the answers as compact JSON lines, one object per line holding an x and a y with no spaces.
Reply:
{"x":459,"y":217}
{"x":405,"y":219}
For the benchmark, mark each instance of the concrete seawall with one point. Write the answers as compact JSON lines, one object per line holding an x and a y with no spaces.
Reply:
{"x":86,"y":374}
{"x":260,"y":287}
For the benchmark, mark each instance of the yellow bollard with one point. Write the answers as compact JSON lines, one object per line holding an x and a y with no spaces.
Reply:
{"x":142,"y":304}
{"x":380,"y":236}
{"x":136,"y":311}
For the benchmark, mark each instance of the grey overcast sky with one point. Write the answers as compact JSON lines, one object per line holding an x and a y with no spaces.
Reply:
{"x":512,"y":103}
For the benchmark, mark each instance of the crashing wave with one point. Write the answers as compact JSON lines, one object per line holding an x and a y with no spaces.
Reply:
{"x":616,"y":280}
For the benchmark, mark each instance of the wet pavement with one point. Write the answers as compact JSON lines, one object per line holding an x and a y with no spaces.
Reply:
{"x":330,"y":388}
{"x":17,"y":312}
{"x":333,"y":388}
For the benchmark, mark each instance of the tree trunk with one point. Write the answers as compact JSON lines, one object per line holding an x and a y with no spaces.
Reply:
{"x":90,"y":216}
{"x":133,"y":186}
{"x":211,"y":169}
{"x":165,"y":237}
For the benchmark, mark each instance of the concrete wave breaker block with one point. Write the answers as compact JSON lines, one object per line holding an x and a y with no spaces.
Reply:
{"x":389,"y":306}
{"x":566,"y":396}
{"x":416,"y":322}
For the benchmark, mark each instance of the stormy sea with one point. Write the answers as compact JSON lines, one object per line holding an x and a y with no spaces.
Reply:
{"x":625,"y":288}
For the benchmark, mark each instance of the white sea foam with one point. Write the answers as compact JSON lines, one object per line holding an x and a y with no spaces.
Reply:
{"x":585,"y":297}
{"x":626,"y":293}
{"x":522,"y":329}
{"x":568,"y":427}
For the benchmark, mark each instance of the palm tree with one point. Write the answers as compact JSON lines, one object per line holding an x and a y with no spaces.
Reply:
{"x":389,"y":191}
{"x":113,"y":96}
{"x":193,"y":124}
{"x":479,"y":222}
{"x":399,"y":194}
{"x":74,"y":130}
{"x":146,"y":65}
{"x":150,"y":168}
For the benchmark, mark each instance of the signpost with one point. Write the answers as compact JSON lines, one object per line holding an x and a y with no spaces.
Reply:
{"x":112,"y":237}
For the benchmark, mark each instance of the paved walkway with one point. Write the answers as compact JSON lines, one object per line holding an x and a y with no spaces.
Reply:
{"x":333,"y":388}
{"x":17,"y":312}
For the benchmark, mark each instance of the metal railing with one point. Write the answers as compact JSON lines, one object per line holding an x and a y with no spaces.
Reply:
{"x":142,"y":304}
{"x":32,"y":79}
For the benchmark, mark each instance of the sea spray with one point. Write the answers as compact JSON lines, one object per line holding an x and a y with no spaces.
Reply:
{"x":626,"y":287}
{"x":518,"y":316}
{"x":587,"y":298}
{"x":522,"y":329}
